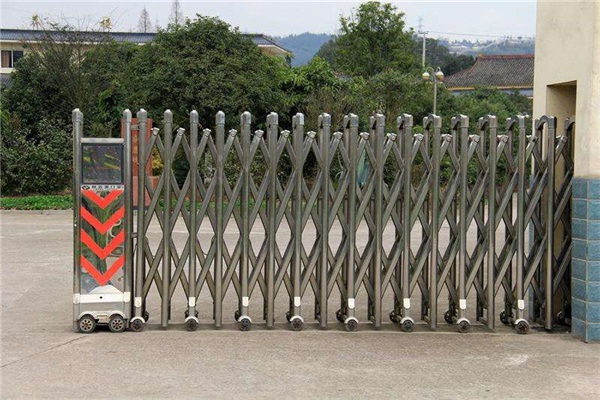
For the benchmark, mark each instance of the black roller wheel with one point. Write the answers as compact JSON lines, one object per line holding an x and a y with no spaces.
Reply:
{"x":191,"y":325}
{"x":351,"y":325}
{"x":448,"y":317}
{"x":339,"y":316}
{"x":296,"y":324}
{"x":393,"y":317}
{"x":116,"y":324}
{"x":146,"y":316}
{"x":407,"y":326}
{"x":464,"y":326}
{"x":504,"y":318}
{"x":522,"y":327}
{"x":245,"y":324}
{"x":560,"y":318}
{"x":137,"y":325}
{"x":86,"y":324}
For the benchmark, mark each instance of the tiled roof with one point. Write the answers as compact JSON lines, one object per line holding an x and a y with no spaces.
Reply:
{"x":26,"y":35}
{"x":510,"y":71}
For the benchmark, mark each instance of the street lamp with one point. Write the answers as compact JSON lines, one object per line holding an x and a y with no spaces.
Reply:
{"x":438,"y":76}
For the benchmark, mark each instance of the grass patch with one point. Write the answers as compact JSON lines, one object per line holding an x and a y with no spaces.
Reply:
{"x":37,"y":202}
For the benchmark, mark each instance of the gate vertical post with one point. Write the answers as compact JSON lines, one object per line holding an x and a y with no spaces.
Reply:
{"x":436,"y":122}
{"x":142,"y":117}
{"x":246,"y":120}
{"x":324,"y":136}
{"x":193,"y":216}
{"x":166,"y":281}
{"x":351,"y":130}
{"x":463,"y":121}
{"x":521,"y":228}
{"x":219,"y":231}
{"x":548,"y":275}
{"x":405,"y":123}
{"x":298,"y":132}
{"x":492,"y":124}
{"x":273,"y":130}
{"x":377,"y":136}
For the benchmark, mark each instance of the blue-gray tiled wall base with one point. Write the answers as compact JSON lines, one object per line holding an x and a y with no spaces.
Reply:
{"x":585,"y":279}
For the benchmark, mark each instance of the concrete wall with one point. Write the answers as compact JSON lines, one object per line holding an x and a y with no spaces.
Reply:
{"x":567,"y":53}
{"x":567,"y":83}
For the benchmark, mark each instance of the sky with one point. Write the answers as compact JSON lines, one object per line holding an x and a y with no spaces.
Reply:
{"x":471,"y":20}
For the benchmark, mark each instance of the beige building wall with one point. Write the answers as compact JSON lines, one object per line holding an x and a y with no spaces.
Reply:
{"x":567,"y":74}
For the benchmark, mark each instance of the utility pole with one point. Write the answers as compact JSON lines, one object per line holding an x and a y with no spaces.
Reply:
{"x":422,"y":32}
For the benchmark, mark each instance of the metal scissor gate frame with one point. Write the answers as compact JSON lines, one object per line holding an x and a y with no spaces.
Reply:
{"x":296,"y":234}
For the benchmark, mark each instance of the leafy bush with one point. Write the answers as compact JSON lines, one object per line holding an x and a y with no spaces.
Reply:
{"x":36,"y":163}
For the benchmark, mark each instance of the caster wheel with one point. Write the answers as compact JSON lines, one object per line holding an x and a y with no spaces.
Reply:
{"x":146,"y":315}
{"x":339,"y":316}
{"x":288,"y":316}
{"x":236,"y":314}
{"x":245,"y":324}
{"x":86,"y":324}
{"x":504,"y":318}
{"x":522,"y":327}
{"x":448,"y":317}
{"x":116,"y":324}
{"x":393,"y":317}
{"x":464,"y":326}
{"x":407,"y":325}
{"x":560,"y":318}
{"x":351,"y":325}
{"x":137,"y":325}
{"x":191,"y":325}
{"x":296,"y":324}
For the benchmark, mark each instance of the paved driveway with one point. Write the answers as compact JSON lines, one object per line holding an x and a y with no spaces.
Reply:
{"x":43,"y":357}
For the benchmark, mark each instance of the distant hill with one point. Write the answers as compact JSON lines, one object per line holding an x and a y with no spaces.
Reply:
{"x":304,"y":46}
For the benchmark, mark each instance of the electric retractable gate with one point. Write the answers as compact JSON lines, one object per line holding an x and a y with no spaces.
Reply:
{"x":473,"y":221}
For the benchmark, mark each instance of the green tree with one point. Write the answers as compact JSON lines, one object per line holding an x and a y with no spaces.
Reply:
{"x":373,"y":39}
{"x":203,"y":65}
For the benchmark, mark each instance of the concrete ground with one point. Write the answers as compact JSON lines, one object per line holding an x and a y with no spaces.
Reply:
{"x":43,"y":357}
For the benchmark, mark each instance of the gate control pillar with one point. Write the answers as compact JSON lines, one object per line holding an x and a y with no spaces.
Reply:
{"x":102,"y":229}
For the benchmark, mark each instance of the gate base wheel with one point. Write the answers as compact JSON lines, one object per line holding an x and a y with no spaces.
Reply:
{"x":407,"y":324}
{"x":137,"y":325}
{"x":146,"y":316}
{"x":393,"y":317}
{"x":351,"y":325}
{"x":522,"y":327}
{"x":186,"y":314}
{"x":116,"y":324}
{"x":86,"y":324}
{"x":448,"y":317}
{"x":463,"y":326}
{"x":339,"y":316}
{"x":245,"y":324}
{"x":191,"y":324}
{"x":296,"y":323}
{"x":504,"y":318}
